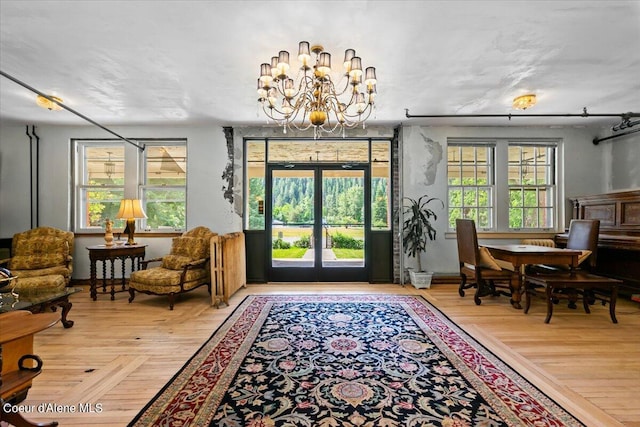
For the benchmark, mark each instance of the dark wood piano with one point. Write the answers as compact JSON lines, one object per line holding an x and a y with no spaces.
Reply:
{"x":619,"y":241}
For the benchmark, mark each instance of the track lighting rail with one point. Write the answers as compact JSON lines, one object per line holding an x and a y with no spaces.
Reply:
{"x":585,"y":114}
{"x":71,"y":110}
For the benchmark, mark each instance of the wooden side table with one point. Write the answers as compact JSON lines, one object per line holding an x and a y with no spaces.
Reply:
{"x":134,"y":253}
{"x":18,"y":365}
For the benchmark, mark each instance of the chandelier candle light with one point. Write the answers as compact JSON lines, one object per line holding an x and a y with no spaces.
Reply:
{"x":130,"y":209}
{"x":316,"y":98}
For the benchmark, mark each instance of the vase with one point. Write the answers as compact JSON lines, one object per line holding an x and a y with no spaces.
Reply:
{"x":421,"y":279}
{"x":108,"y":238}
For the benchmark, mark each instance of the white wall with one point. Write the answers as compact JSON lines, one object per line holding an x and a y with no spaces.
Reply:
{"x":622,"y":162}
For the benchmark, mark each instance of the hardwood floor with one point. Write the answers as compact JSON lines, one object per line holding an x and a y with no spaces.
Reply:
{"x":118,"y":355}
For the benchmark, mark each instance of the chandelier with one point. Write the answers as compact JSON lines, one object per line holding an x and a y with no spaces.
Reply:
{"x":315,"y":98}
{"x":109,"y":166}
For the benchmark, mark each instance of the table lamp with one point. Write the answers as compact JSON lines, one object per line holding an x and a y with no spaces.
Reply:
{"x":130,"y":209}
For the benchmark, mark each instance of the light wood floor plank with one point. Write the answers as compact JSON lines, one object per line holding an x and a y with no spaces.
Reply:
{"x":120,"y":355}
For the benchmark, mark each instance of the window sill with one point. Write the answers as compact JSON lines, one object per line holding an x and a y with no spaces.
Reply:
{"x":144,"y":234}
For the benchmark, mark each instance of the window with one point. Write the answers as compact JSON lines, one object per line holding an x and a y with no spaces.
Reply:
{"x":261,"y":152}
{"x":470,"y":180}
{"x":109,"y":170}
{"x":503,"y":185}
{"x":531,"y":186}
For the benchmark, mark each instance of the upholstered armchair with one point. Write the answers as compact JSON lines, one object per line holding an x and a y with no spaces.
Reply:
{"x":41,"y":258}
{"x":184,"y":269}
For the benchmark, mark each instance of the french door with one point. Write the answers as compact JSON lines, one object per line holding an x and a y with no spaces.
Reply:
{"x":317,"y":222}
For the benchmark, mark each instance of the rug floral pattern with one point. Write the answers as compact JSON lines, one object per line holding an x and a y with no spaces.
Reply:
{"x":347,"y":360}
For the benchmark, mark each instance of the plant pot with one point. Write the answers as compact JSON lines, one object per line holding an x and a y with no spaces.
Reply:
{"x":421,"y":279}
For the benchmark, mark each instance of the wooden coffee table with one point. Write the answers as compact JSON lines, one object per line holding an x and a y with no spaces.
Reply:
{"x":40,"y":302}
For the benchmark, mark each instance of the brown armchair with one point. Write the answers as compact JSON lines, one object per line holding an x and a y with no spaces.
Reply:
{"x":477,"y":267}
{"x":41,"y":258}
{"x":184,"y":269}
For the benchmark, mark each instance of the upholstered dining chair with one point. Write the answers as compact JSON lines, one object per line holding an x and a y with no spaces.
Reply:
{"x":582,"y":236}
{"x":477,"y":267}
{"x":185,"y":268}
{"x":41,"y":258}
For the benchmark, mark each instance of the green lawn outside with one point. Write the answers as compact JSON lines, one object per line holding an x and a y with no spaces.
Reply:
{"x":348,"y":253}
{"x":297,"y":232}
{"x":288,"y":253}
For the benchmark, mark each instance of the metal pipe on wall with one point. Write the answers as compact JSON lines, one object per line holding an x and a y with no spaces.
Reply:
{"x":597,"y":141}
{"x":34,"y":184}
{"x":30,"y":175}
{"x":33,"y":131}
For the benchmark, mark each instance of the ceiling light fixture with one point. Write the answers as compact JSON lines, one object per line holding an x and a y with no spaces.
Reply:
{"x":109,"y":166}
{"x":48,"y":103}
{"x":317,"y":99}
{"x":523,"y":102}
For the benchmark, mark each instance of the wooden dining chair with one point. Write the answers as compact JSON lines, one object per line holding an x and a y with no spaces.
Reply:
{"x":477,"y":267}
{"x":582,"y":236}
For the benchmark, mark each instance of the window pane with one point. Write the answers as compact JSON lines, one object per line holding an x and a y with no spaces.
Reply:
{"x":453,"y":174}
{"x":166,"y":164}
{"x":342,"y":151}
{"x":515,"y":197}
{"x":104,"y":165}
{"x":100,"y":204}
{"x":469,"y":175}
{"x":255,"y":185}
{"x":514,"y":175}
{"x":530,"y":217}
{"x":455,"y":197}
{"x":515,"y":218}
{"x":470,"y":197}
{"x":165,"y":208}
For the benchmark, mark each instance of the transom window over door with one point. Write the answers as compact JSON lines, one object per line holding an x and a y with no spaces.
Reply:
{"x":106,"y":171}
{"x":503,"y":184}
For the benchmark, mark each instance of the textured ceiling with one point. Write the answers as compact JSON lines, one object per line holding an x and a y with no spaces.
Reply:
{"x":164,"y":62}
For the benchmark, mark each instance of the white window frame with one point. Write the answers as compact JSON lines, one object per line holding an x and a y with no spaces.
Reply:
{"x":501,"y":181}
{"x":134,"y":172}
{"x":489,"y":187}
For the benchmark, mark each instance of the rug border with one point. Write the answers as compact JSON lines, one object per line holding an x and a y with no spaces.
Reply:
{"x":184,"y":366}
{"x":430,"y":304}
{"x":579,"y":420}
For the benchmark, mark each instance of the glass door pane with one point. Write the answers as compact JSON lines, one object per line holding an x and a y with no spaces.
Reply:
{"x":292,"y":218}
{"x":343,"y":218}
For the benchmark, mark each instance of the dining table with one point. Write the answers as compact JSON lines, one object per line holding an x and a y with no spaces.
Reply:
{"x":520,"y":255}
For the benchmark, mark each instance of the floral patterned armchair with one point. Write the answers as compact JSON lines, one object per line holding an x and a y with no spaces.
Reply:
{"x":41,"y":253}
{"x":184,"y":269}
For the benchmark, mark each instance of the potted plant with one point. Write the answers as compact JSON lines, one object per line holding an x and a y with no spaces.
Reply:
{"x":417,"y":231}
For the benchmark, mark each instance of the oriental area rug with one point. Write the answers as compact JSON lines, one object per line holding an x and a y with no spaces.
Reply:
{"x":346,"y":360}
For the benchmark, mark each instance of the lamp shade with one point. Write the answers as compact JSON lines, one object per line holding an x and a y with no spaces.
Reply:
{"x":130,"y":208}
